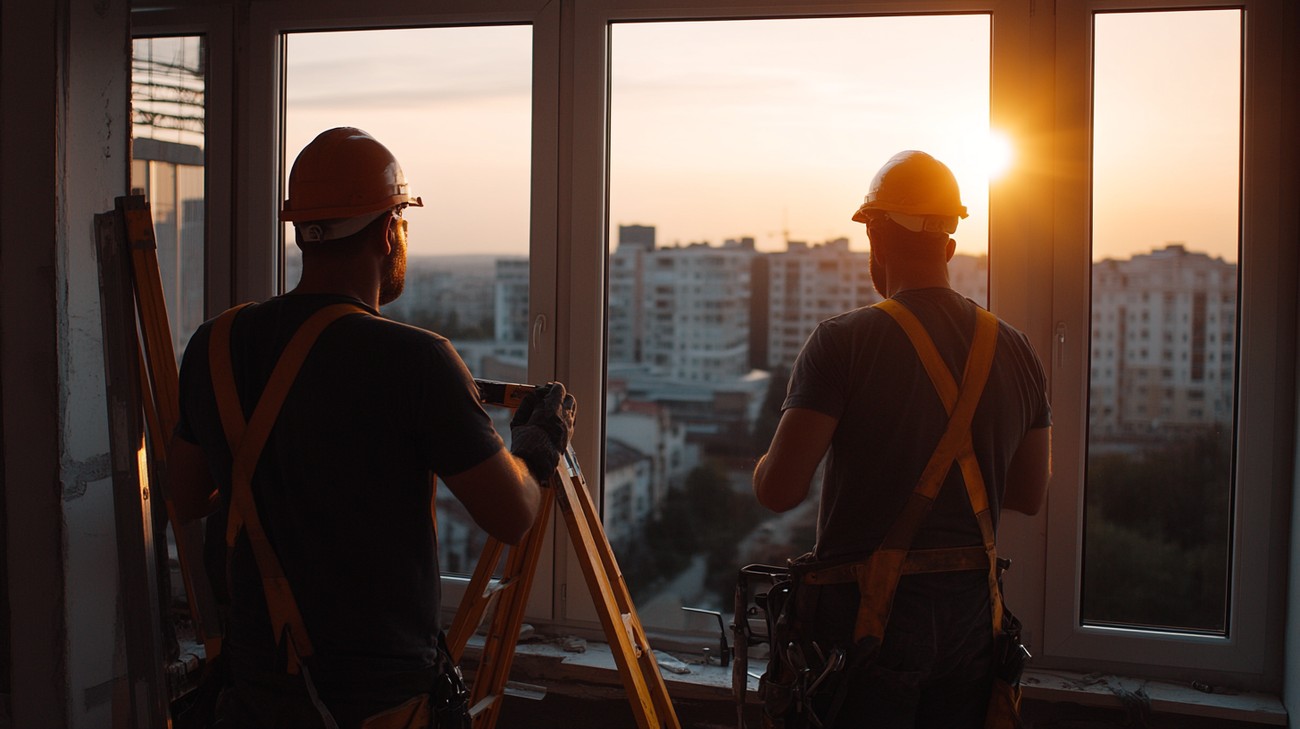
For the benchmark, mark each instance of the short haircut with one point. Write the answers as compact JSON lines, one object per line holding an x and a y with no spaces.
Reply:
{"x":347,"y":245}
{"x":904,"y":243}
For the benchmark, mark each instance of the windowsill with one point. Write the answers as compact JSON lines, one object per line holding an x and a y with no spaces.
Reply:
{"x":1161,"y":697}
{"x":592,"y":673}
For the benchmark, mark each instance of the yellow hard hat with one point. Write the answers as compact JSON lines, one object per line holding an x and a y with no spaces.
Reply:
{"x":344,"y":173}
{"x":916,"y":191}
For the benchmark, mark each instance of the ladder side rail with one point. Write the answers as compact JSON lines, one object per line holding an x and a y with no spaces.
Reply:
{"x":507,"y":620}
{"x":469,"y":615}
{"x":607,"y":608}
{"x":645,"y":659}
{"x":163,"y":399}
{"x":145,"y":693}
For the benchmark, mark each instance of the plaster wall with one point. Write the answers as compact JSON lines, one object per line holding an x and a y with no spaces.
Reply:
{"x":94,"y":169}
{"x":65,"y":83}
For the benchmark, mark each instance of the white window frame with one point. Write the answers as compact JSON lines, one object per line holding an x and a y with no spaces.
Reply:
{"x":216,"y":24}
{"x":1265,"y":388}
{"x":1040,"y":95}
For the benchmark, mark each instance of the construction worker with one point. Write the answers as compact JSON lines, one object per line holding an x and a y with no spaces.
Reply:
{"x":342,"y":488}
{"x":861,"y":390}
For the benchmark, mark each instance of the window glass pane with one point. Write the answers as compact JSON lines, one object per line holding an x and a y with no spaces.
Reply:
{"x":168,"y":81}
{"x":1166,"y":182}
{"x":454,"y":107}
{"x":739,"y":152}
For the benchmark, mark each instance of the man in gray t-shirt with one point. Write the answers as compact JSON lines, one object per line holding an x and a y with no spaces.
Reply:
{"x":860,"y":391}
{"x":340,"y":490}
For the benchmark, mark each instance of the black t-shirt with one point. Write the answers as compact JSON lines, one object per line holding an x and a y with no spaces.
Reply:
{"x":343,"y":485}
{"x":861,"y":368}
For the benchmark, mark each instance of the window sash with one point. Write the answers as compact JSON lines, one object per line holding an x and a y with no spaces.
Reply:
{"x":1039,"y":252}
{"x":1263,"y":382}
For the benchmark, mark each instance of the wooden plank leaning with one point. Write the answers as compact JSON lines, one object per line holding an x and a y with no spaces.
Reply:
{"x":162,"y":407}
{"x":143,"y":701}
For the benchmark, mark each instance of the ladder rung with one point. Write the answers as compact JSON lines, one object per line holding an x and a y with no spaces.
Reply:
{"x":483,"y":705}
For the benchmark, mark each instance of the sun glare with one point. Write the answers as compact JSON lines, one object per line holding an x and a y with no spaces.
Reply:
{"x":998,"y":154}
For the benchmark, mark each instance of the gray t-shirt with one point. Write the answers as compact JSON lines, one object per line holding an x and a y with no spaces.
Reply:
{"x":861,"y":368}
{"x":343,"y":485}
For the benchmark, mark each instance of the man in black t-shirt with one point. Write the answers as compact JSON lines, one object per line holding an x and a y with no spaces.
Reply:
{"x":860,"y":391}
{"x":343,"y":485}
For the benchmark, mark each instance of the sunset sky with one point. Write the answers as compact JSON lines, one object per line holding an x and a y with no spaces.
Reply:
{"x":732,"y":128}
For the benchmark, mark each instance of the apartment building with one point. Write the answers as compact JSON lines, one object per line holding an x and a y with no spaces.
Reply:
{"x":1163,"y":342}
{"x":807,"y":284}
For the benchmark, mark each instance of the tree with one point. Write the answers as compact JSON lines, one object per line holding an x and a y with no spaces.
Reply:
{"x":1156,"y":534}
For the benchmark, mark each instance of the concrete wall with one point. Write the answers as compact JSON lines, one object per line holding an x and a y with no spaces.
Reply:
{"x":64,"y":88}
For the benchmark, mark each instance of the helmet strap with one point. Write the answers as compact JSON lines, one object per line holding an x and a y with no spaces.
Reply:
{"x":925,"y":223}
{"x":316,"y":231}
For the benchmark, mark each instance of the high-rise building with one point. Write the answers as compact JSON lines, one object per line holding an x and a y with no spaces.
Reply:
{"x":626,"y":302}
{"x":696,"y":304}
{"x":510,"y":314}
{"x":808,"y":284}
{"x":1163,"y":342}
{"x":969,"y":276}
{"x":641,"y":237}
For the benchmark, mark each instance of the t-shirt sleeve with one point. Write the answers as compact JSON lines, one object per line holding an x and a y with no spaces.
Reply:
{"x":458,"y":434}
{"x":1033,"y":366}
{"x":817,"y":380}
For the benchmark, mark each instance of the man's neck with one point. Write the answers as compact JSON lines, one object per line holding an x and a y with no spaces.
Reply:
{"x":340,"y":281}
{"x":914,"y":279}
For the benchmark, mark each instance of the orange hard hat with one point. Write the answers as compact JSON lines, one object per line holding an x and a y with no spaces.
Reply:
{"x":916,"y":191}
{"x":344,"y":173}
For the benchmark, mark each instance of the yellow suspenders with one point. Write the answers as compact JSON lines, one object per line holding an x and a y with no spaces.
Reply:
{"x":978,"y":364}
{"x":246,"y":442}
{"x":877,"y":576}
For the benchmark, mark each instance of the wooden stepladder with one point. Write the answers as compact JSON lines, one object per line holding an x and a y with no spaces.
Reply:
{"x":136,"y":329}
{"x":160,"y":390}
{"x":645,"y":687}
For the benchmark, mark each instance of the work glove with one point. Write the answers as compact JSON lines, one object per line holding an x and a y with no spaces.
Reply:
{"x":541,"y":429}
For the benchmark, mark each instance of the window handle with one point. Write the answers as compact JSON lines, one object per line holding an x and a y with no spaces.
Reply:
{"x":1060,"y":344}
{"x":539,"y":326}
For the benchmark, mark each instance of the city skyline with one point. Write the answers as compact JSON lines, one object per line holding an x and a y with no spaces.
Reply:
{"x":783,"y":123}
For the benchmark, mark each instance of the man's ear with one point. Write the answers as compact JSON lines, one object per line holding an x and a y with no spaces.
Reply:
{"x":949,"y":249}
{"x":390,"y":235}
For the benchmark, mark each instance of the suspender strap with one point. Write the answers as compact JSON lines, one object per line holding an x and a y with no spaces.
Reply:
{"x":978,"y":364}
{"x":246,"y":443}
{"x":878,"y":575}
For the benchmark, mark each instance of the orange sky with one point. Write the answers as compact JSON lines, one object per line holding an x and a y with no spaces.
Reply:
{"x":724,"y":129}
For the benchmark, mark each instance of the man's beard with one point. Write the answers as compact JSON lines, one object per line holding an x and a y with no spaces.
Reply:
{"x":393,"y":280}
{"x":878,"y":277}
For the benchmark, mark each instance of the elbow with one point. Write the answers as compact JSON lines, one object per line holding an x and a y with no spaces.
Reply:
{"x":514,"y":525}
{"x":775,"y":499}
{"x":1028,"y":508}
{"x":519,"y":528}
{"x":778,"y":505}
{"x":512,"y":536}
{"x":1027,"y":501}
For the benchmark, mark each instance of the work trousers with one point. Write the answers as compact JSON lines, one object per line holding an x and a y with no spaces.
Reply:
{"x":260,"y":699}
{"x":934,"y":667}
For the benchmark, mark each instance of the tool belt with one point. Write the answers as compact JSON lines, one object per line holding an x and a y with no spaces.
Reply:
{"x":807,"y":655}
{"x":446,"y":704}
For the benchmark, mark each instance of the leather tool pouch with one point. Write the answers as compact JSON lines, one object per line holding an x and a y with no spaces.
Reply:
{"x":1009,"y":659}
{"x":449,"y":696}
{"x":808,"y":652}
{"x":444,"y":706}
